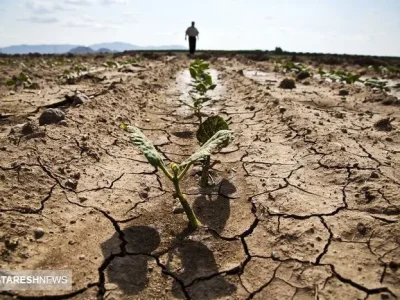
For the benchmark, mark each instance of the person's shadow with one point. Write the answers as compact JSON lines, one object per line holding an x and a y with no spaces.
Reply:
{"x":198,"y":261}
{"x":129,"y":272}
{"x":214,"y":211}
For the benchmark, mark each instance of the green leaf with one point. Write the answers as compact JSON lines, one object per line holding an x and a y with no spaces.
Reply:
{"x":210,"y":127}
{"x":208,"y":79}
{"x":193,"y":72}
{"x":145,"y":146}
{"x":23,"y":77}
{"x":10,"y":82}
{"x":218,"y":141}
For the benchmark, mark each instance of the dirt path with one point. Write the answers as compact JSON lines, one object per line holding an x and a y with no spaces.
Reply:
{"x":306,"y":205}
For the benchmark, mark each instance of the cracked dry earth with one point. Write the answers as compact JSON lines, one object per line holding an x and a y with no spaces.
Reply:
{"x":305,"y":205}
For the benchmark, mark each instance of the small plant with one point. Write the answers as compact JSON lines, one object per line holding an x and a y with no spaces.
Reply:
{"x":177,"y":172}
{"x":287,"y":84}
{"x":22,"y":80}
{"x":202,"y":83}
{"x":205,"y":132}
{"x":111,"y":64}
{"x":378,"y":84}
{"x":301,"y":71}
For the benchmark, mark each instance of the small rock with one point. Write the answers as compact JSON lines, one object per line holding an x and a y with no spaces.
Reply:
{"x":287,"y":84}
{"x":3,"y":148}
{"x":71,"y":242}
{"x":51,"y":116}
{"x":316,"y":114}
{"x":147,"y":120}
{"x":384,"y":125}
{"x":282,"y":109}
{"x":369,"y":196}
{"x":339,"y":115}
{"x":72,"y":184}
{"x":11,"y":244}
{"x":63,"y":123}
{"x":82,"y":257}
{"x":344,"y":130}
{"x":38,"y":233}
{"x":178,"y":210}
{"x":394,"y":266}
{"x":79,"y":98}
{"x":29,"y":128}
{"x":374,"y":175}
{"x":82,"y":199}
{"x":343,"y":93}
{"x":361,"y":228}
{"x":144,"y":195}
{"x":392,"y":211}
{"x":391,"y":100}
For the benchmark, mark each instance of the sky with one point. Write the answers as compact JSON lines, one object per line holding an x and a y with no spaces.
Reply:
{"x":330,"y":26}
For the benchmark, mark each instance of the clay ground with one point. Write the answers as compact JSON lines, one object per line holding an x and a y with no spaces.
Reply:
{"x":305,"y":205}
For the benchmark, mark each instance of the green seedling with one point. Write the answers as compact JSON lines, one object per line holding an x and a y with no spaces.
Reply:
{"x":301,"y":71}
{"x":21,"y":80}
{"x":111,"y":64}
{"x":376,"y":83}
{"x":206,"y":131}
{"x":177,"y":172}
{"x":202,"y":83}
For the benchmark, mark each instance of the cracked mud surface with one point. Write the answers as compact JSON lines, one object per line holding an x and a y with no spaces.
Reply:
{"x":306,"y":203}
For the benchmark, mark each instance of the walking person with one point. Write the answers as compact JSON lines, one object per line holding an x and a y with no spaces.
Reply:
{"x":193,"y":34}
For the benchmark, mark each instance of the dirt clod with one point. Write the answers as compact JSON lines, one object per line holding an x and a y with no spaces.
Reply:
{"x":384,"y":125}
{"x":361,"y":229}
{"x":287,"y":84}
{"x":51,"y":116}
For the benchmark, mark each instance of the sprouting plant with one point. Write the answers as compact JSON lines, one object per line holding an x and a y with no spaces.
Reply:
{"x":177,"y":172}
{"x":130,"y":61}
{"x":301,"y":71}
{"x":111,"y":64}
{"x":374,"y":82}
{"x":206,"y":131}
{"x":21,"y":80}
{"x":202,"y":83}
{"x":79,"y":69}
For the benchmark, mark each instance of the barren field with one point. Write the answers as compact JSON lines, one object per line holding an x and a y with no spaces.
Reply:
{"x":305,"y":202}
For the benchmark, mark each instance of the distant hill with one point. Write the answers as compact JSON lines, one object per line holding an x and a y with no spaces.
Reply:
{"x":65,"y":48}
{"x":43,"y":49}
{"x":115,"y":46}
{"x":104,"y":50}
{"x":81,"y":50}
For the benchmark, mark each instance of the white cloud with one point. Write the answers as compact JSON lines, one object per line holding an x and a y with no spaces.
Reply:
{"x":48,"y":6}
{"x":35,"y":19}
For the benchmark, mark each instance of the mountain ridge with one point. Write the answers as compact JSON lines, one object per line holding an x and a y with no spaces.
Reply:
{"x":65,"y":48}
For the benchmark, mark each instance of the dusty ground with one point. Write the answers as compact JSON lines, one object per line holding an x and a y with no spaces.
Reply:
{"x":306,"y":203}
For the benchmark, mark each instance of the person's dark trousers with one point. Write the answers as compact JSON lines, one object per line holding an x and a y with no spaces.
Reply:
{"x":192,"y":44}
